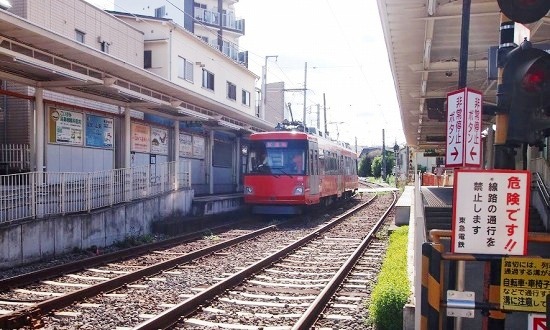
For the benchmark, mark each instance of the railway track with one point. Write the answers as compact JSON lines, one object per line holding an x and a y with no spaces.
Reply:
{"x":124,"y":294}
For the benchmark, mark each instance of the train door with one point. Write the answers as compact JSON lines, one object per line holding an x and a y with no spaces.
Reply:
{"x":313,"y":168}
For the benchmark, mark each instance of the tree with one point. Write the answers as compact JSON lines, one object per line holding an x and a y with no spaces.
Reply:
{"x":365,"y":169}
{"x":377,"y":164}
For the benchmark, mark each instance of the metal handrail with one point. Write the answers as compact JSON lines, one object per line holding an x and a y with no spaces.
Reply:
{"x":38,"y":194}
{"x":539,"y":183}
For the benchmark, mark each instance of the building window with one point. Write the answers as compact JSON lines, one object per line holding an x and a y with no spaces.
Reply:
{"x":185,"y":69}
{"x":147,"y":59}
{"x":160,"y":12}
{"x":105,"y":46}
{"x":79,"y":35}
{"x":231,"y":91}
{"x":207,"y":79}
{"x":246,"y":98}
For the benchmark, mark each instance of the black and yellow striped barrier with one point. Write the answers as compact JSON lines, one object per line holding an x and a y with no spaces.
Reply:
{"x":432,"y":277}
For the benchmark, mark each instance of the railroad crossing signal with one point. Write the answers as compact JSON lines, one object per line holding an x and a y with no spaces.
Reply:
{"x":524,"y":11}
{"x":526,"y":93}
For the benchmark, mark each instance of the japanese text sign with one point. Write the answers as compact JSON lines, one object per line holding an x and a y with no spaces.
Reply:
{"x":525,"y":283}
{"x":490,"y":212}
{"x":463,"y":136}
{"x":140,"y":138}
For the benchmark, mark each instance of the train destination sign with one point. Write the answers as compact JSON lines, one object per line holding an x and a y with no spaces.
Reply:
{"x":524,"y":284}
{"x":490,"y":212}
{"x":463,"y":136}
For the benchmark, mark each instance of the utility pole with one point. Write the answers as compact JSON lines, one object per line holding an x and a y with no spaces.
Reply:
{"x":264,"y":82}
{"x":305,"y":96}
{"x":383,"y":156}
{"x":318,"y":116}
{"x":325,"y":114}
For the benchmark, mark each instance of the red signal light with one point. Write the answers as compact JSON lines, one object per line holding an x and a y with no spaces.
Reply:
{"x":533,"y":80}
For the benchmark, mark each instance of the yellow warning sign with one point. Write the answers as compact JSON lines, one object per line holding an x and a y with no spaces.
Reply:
{"x":524,"y":284}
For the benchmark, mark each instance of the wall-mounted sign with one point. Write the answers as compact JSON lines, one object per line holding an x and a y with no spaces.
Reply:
{"x":159,"y":141}
{"x":198,"y":147}
{"x":99,"y":131}
{"x":186,"y":145}
{"x":524,"y":284}
{"x":65,"y":127}
{"x":490,"y":212}
{"x":141,"y":138}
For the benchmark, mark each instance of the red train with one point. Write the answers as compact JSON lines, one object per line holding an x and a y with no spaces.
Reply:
{"x":287,"y":171}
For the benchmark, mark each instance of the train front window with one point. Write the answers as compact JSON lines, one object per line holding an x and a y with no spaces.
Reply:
{"x":277,"y":157}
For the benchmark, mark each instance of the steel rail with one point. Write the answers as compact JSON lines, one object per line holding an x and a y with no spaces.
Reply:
{"x":31,"y":314}
{"x":310,"y":316}
{"x":189,"y":306}
{"x":46,"y":273}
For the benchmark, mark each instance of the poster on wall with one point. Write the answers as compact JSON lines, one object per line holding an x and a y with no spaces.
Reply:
{"x":159,"y":141}
{"x":99,"y":131}
{"x":186,"y":145}
{"x":198,"y":146}
{"x":65,"y":127}
{"x":141,"y":138}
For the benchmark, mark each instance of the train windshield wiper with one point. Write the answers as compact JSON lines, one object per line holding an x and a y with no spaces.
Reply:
{"x":285,"y":173}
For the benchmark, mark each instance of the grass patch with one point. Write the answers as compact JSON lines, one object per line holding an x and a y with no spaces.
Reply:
{"x":209,"y":235}
{"x":392,"y":290}
{"x":131,"y":241}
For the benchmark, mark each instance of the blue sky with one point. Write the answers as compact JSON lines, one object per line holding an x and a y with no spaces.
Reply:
{"x":345,"y":51}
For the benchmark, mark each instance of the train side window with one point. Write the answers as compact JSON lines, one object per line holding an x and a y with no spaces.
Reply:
{"x":316,"y":162}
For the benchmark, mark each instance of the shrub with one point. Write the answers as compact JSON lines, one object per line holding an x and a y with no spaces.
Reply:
{"x":392,"y":289}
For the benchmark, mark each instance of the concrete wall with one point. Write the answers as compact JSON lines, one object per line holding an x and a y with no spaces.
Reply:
{"x":67,"y":16}
{"x":39,"y":239}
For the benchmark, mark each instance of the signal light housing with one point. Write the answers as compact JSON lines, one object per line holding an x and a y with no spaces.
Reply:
{"x":524,"y":11}
{"x":526,"y":77}
{"x":525,"y":93}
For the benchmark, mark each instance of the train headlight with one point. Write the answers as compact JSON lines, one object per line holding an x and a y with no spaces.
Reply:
{"x":298,"y":191}
{"x":248,"y":190}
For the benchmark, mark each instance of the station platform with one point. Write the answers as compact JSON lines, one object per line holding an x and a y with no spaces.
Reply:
{"x":215,"y":204}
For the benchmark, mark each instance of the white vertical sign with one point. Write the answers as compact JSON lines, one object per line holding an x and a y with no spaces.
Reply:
{"x":490,"y":212}
{"x":454,"y":155}
{"x":464,"y":110}
{"x":472,"y":129}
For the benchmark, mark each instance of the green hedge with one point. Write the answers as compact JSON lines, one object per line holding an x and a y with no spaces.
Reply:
{"x":392,"y":289}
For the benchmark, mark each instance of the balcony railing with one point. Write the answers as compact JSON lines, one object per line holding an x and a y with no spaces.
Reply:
{"x":15,"y":157}
{"x":34,"y":194}
{"x":213,"y":18}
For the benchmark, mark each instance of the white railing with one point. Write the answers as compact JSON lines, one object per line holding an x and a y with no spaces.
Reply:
{"x":211,"y":17}
{"x":34,"y":195}
{"x":15,"y":157}
{"x":540,"y":166}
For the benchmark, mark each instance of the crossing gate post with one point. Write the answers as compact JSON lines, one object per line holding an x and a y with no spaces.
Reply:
{"x":431,"y":291}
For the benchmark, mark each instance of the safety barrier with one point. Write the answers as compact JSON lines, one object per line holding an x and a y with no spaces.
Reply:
{"x":15,"y":157}
{"x":433,"y":303}
{"x":38,"y":194}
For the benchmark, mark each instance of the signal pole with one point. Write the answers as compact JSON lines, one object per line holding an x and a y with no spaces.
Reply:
{"x":383,"y":156}
{"x":305,"y":96}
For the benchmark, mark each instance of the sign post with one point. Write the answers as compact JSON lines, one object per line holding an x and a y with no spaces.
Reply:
{"x":463,"y":134}
{"x":491,"y":212}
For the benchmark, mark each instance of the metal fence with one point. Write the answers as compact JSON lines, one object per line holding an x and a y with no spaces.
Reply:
{"x":15,"y":157}
{"x":34,"y":194}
